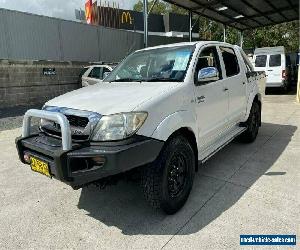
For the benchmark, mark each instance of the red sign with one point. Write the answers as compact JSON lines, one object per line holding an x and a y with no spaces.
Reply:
{"x":88,"y":11}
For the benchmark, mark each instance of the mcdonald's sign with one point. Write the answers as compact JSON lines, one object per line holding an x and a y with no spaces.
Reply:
{"x":88,"y":11}
{"x":126,"y":17}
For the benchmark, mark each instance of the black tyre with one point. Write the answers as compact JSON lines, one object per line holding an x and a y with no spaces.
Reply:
{"x":167,"y":182}
{"x":253,"y":124}
{"x":286,"y":87}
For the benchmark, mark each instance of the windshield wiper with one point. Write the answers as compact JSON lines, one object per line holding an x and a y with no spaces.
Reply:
{"x":162,"y":79}
{"x":126,"y":80}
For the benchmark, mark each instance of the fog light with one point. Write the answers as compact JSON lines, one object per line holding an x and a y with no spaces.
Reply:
{"x":27,"y":158}
{"x":98,"y":160}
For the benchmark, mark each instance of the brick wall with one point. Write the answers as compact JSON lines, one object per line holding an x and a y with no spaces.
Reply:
{"x":22,"y":83}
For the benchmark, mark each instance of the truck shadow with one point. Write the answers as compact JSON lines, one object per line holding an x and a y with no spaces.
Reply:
{"x":122,"y":206}
{"x":279,"y":91}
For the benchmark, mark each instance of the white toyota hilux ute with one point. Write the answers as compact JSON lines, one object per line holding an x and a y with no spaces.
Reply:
{"x":161,"y":111}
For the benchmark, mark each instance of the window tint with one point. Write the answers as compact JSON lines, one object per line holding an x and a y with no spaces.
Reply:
{"x":260,"y":61}
{"x":275,"y":60}
{"x":230,"y":60}
{"x":209,"y":58}
{"x":95,"y":73}
{"x":104,"y":71}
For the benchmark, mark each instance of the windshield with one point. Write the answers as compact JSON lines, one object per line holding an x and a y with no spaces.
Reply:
{"x":163,"y":64}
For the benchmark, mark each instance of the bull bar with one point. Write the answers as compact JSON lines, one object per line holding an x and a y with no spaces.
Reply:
{"x":52,"y":116}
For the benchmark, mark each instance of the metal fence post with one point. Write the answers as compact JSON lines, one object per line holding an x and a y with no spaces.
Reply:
{"x":145,"y":10}
{"x":191,"y":26}
{"x":298,"y":85}
{"x":241,"y":39}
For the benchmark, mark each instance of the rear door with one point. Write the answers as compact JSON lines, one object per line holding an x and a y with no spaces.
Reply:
{"x":94,"y":76}
{"x":82,"y":76}
{"x":275,"y":68}
{"x":235,"y":84}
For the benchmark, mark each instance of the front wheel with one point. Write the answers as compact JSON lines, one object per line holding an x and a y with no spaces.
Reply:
{"x":252,"y":123}
{"x":167,"y":182}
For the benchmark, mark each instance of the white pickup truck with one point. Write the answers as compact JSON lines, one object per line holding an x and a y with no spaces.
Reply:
{"x":161,"y":111}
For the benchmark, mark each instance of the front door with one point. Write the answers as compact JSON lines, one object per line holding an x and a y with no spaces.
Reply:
{"x":211,"y":99}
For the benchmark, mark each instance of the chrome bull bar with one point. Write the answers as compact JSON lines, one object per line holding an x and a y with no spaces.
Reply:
{"x":52,"y":116}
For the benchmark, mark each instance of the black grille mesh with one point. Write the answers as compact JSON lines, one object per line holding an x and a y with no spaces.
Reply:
{"x":77,"y":121}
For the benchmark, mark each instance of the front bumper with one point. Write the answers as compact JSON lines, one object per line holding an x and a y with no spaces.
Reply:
{"x":77,"y":166}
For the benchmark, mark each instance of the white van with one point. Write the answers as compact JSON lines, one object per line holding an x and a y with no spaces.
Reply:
{"x":274,"y":62}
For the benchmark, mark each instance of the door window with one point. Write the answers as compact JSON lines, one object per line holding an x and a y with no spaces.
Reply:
{"x":95,"y":73}
{"x":230,"y":60}
{"x":275,"y":60}
{"x":209,"y":58}
{"x":260,"y":61}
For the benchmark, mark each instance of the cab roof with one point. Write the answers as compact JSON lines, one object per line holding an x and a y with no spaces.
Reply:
{"x":200,"y":43}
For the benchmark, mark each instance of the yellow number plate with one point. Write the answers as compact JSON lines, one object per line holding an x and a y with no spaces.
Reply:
{"x":39,"y":166}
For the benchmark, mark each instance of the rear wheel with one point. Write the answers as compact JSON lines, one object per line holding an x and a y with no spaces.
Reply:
{"x":167,"y":182}
{"x":286,"y":87}
{"x":253,"y":124}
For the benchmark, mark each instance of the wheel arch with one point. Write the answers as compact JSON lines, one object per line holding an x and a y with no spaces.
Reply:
{"x":253,"y":98}
{"x":257,"y":99}
{"x":191,"y":137}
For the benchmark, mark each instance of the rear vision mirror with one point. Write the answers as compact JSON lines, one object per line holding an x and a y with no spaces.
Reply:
{"x":208,"y":74}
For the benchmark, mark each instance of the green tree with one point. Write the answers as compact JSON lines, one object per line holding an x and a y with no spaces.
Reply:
{"x":159,"y":8}
{"x":285,"y":34}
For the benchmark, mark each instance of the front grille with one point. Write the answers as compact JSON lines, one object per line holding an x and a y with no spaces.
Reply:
{"x":77,"y":121}
{"x":56,"y":133}
{"x":78,"y":128}
{"x":81,"y":123}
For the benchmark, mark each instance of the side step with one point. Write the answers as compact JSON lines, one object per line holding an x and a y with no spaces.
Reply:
{"x":216,"y":147}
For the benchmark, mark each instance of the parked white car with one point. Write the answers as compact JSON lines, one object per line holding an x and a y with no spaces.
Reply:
{"x":161,"y":111}
{"x":275,"y":63}
{"x":94,"y":74}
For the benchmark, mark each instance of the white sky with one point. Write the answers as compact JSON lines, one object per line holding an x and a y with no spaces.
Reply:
{"x":56,"y":8}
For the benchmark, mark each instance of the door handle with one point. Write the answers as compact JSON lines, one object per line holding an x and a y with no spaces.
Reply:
{"x":200,"y":98}
{"x":225,"y":89}
{"x":244,"y":83}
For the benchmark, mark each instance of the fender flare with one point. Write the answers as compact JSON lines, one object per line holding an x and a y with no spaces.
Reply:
{"x":251,"y":98}
{"x":174,"y":122}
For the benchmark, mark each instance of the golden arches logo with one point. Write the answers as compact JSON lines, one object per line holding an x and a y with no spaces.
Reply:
{"x":126,"y":17}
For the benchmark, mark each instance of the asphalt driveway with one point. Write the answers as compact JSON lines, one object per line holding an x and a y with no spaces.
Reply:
{"x":244,"y":189}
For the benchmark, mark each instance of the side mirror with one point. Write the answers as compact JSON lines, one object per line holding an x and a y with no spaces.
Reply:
{"x":106,"y":74}
{"x":208,"y":74}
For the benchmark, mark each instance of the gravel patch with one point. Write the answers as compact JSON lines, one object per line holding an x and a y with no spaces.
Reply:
{"x":10,"y":123}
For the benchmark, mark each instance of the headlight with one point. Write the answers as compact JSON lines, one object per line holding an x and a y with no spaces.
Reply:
{"x":118,"y":126}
